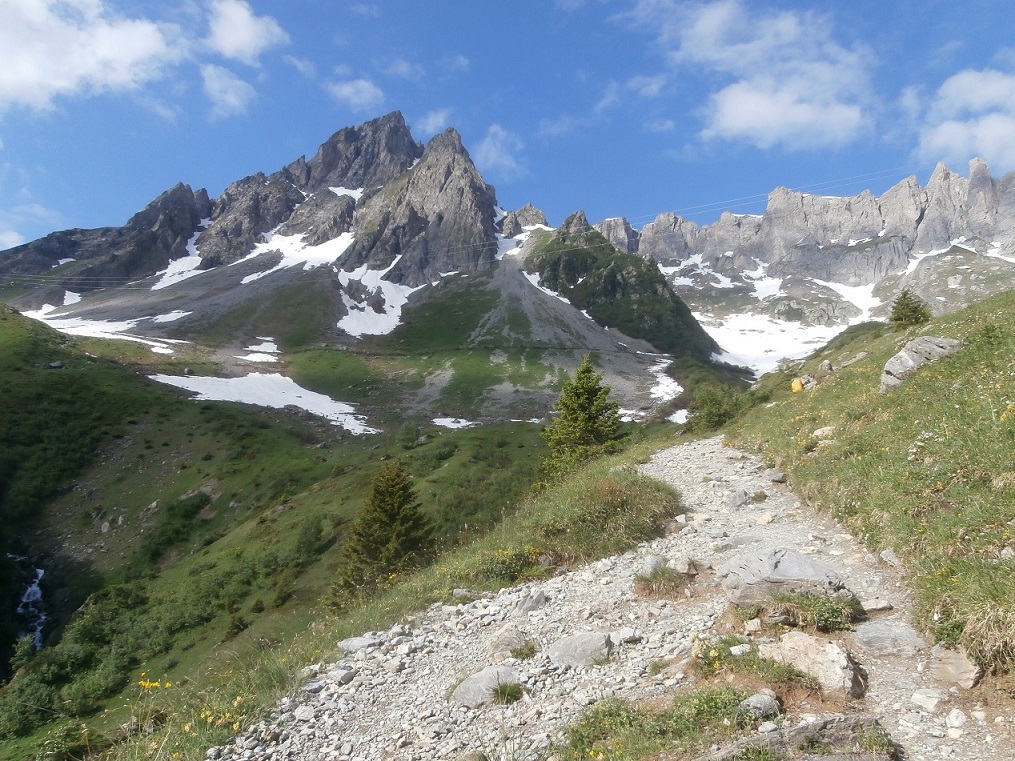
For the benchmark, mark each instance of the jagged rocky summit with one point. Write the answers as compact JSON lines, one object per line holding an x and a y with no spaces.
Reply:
{"x":903,"y":238}
{"x":427,"y":207}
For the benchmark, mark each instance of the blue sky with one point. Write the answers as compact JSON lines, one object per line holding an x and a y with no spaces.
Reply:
{"x":618,"y":107}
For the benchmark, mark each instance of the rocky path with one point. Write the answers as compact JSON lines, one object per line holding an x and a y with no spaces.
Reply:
{"x":421,"y":690}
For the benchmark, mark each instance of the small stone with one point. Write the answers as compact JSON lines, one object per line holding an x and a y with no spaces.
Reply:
{"x":955,"y":718}
{"x":891,"y":558}
{"x":767,"y":727}
{"x":761,"y":706}
{"x":651,"y":564}
{"x":928,"y":698}
{"x":739,"y":650}
{"x":304,"y":713}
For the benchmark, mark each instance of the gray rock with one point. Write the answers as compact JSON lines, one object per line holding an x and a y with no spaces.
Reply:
{"x":914,"y":355}
{"x":527,"y":216}
{"x":651,"y":564}
{"x":304,"y":713}
{"x":619,"y":233}
{"x":479,"y":688}
{"x":826,"y":661}
{"x":438,"y":218}
{"x":928,"y":698}
{"x":581,"y":650}
{"x":532,"y":601}
{"x":953,"y":667}
{"x":509,"y":637}
{"x":761,"y":705}
{"x":354,"y":644}
{"x":753,"y":576}
{"x":887,"y":638}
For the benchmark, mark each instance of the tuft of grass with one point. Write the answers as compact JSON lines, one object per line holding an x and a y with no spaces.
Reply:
{"x":825,"y":613}
{"x":507,"y":693}
{"x":662,"y":583}
{"x":525,"y":651}
{"x":614,"y":729}
{"x":713,"y":657}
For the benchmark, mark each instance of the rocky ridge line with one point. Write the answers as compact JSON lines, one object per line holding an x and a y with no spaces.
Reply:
{"x":414,"y":692}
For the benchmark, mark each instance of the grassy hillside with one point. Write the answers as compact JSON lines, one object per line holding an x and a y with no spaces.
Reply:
{"x":926,"y":470}
{"x":182,"y":525}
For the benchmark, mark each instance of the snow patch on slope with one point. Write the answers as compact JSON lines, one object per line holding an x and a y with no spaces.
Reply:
{"x":295,"y":252}
{"x":186,"y":266}
{"x":365,"y":320}
{"x":270,"y":390}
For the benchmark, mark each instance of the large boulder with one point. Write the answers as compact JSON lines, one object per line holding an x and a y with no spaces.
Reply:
{"x":914,"y":355}
{"x":753,"y":577}
{"x":581,"y":650}
{"x":833,"y":668}
{"x":479,"y":688}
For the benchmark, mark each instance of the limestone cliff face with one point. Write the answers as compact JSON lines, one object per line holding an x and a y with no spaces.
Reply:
{"x":854,"y":240}
{"x":436,"y":217}
{"x":619,"y":233}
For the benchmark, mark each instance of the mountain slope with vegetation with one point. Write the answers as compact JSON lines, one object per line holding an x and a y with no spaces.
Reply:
{"x":926,"y":470}
{"x":618,"y":290}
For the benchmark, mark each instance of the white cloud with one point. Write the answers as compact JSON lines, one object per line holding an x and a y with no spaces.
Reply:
{"x":10,"y":239}
{"x":455,"y":62}
{"x":302,"y":65}
{"x":238,"y":34}
{"x":229,"y":94}
{"x":789,"y":82}
{"x":434,"y":121}
{"x":357,"y":94}
{"x":404,"y":70}
{"x":972,"y":114}
{"x":660,"y":125}
{"x":610,"y":98}
{"x":53,"y":48}
{"x":498,"y":151}
{"x":648,"y":87}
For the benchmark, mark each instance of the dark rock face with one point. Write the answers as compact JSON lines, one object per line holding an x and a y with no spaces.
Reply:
{"x":243,"y":213}
{"x":324,"y":215}
{"x":108,"y":255}
{"x":437,"y":217}
{"x":368,"y":156}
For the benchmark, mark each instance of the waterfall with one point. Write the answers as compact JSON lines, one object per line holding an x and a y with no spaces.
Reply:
{"x":31,"y":608}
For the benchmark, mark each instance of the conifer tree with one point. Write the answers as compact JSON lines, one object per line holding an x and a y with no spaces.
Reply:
{"x":391,"y":535}
{"x":587,"y":423}
{"x":908,"y":309}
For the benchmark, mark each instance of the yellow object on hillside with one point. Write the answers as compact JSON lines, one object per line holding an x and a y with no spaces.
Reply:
{"x":797,"y":385}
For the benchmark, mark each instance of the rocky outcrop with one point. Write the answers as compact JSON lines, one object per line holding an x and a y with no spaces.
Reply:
{"x":368,"y":156}
{"x":243,"y":213}
{"x":324,"y":215}
{"x":754,"y":577}
{"x":437,"y":217}
{"x":527,"y":216}
{"x":619,"y":233}
{"x":914,"y":355}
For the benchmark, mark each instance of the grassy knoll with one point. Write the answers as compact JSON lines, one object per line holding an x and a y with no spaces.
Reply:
{"x":927,"y":470}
